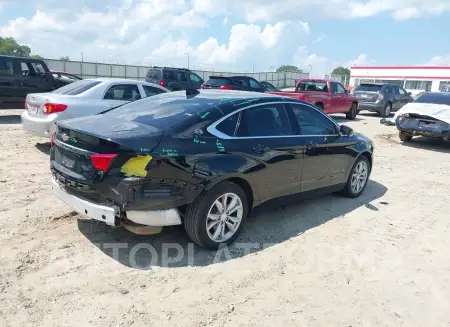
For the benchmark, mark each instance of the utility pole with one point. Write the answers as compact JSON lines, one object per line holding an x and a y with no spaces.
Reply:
{"x":187,"y":54}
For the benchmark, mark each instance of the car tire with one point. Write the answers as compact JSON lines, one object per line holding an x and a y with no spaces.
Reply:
{"x":386,"y":110}
{"x":352,"y":188}
{"x":199,"y":214}
{"x":351,"y":114}
{"x":405,"y":137}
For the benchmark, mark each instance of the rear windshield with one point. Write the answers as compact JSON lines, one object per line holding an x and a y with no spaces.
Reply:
{"x":369,"y":87}
{"x":154,"y":74}
{"x":77,"y":87}
{"x":162,"y":111}
{"x":435,"y":98}
{"x":312,"y":86}
{"x":219,"y":81}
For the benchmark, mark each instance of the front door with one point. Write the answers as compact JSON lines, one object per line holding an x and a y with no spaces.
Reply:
{"x":326,"y":157}
{"x":34,"y":77}
{"x":339,"y":98}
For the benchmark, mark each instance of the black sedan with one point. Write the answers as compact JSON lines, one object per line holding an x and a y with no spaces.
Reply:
{"x":204,"y":159}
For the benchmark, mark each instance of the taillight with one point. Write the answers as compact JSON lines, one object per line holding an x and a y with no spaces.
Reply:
{"x":26,"y":105}
{"x":226,"y":87}
{"x":50,"y":108}
{"x":202,"y":86}
{"x":380,"y":96}
{"x":161,"y":82}
{"x":102,"y":161}
{"x":52,"y":140}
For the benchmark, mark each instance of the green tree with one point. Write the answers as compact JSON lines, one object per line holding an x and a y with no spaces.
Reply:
{"x":64,"y":58}
{"x":288,"y":68}
{"x":10,"y":47}
{"x":36,"y":57}
{"x":341,"y":71}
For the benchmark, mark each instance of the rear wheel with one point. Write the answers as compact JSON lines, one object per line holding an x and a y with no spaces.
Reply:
{"x":357,"y":180}
{"x":351,"y":114}
{"x":217,"y":216}
{"x":387,"y":110}
{"x":320,"y":106}
{"x":405,"y":137}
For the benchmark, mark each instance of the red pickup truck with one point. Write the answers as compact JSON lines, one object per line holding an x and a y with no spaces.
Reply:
{"x":329,"y":96}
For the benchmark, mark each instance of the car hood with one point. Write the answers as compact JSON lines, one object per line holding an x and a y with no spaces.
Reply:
{"x":437,"y":111}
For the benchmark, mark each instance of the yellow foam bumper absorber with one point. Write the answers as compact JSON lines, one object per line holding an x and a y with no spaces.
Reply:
{"x":136,"y":166}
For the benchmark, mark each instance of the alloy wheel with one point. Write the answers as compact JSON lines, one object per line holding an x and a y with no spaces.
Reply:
{"x":224,"y":217}
{"x":359,"y":177}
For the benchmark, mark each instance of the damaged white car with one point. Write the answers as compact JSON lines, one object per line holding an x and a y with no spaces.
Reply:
{"x":428,"y":115}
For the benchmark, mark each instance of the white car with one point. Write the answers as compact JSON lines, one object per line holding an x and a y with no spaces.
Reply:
{"x":81,"y":98}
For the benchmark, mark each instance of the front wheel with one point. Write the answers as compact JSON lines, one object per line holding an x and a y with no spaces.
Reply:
{"x":405,"y":137}
{"x":358,"y":178}
{"x":217,"y":216}
{"x":351,"y":114}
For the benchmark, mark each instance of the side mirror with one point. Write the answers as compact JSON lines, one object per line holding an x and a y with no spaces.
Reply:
{"x":409,"y":93}
{"x":346,"y":130}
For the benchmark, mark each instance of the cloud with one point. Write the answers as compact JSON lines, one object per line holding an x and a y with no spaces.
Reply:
{"x":225,"y":21}
{"x":309,"y":62}
{"x":362,"y":60}
{"x":439,"y":61}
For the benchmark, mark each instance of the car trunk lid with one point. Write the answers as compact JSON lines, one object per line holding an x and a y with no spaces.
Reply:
{"x":366,"y":96}
{"x":86,"y":148}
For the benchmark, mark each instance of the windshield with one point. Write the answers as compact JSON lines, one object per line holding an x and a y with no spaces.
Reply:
{"x":369,"y":87}
{"x":312,"y":86}
{"x":77,"y":87}
{"x":435,"y":98}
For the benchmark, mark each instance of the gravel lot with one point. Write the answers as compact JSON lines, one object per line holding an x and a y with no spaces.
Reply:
{"x":380,"y":260}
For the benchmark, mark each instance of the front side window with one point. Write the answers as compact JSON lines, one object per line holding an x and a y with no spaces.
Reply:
{"x":254,"y":84}
{"x":123,"y":92}
{"x":195,"y":78}
{"x":311,"y":122}
{"x":337,"y":88}
{"x":264,"y":120}
{"x":150,"y":90}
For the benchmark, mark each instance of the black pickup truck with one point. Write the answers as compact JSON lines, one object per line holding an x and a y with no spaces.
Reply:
{"x":20,"y":76}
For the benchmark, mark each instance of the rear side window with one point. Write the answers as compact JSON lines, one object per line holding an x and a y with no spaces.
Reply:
{"x":123,"y":92}
{"x":311,"y":122}
{"x":169,"y":75}
{"x":151,"y":91}
{"x":228,"y":126}
{"x":6,"y":67}
{"x":154,"y":74}
{"x":219,"y":81}
{"x":182,"y":76}
{"x":264,"y":120}
{"x":77,"y":87}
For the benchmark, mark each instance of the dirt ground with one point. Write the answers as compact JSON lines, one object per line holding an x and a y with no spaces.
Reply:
{"x":380,"y":260}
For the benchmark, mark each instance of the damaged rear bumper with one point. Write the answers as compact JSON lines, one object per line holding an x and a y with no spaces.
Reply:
{"x":423,"y":127}
{"x":112,"y":215}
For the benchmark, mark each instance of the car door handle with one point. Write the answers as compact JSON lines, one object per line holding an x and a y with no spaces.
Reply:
{"x":260,"y":149}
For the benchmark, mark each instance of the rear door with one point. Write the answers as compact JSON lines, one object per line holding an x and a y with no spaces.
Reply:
{"x":118,"y":94}
{"x":264,"y":136}
{"x":34,"y":77}
{"x":9,"y":82}
{"x":326,"y":158}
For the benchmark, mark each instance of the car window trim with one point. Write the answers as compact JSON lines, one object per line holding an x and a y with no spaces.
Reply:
{"x":214,"y":131}
{"x":116,"y":84}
